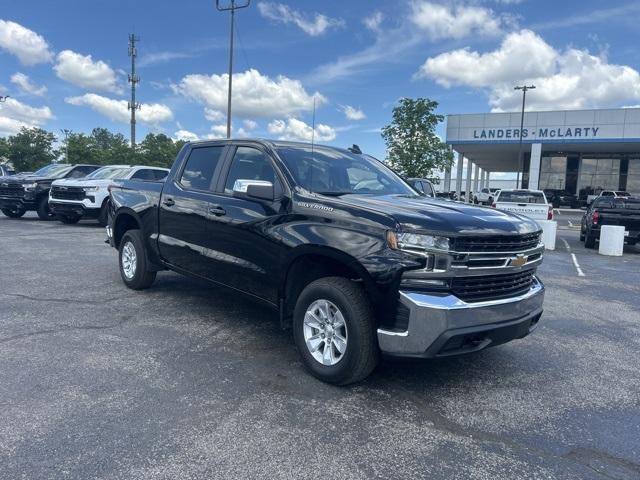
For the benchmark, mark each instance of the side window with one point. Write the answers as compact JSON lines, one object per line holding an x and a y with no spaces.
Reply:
{"x":250,"y":164}
{"x":200,"y":167}
{"x":144,"y":174}
{"x":80,"y":172}
{"x":160,"y":174}
{"x":418,"y":186}
{"x":485,"y":190}
{"x":607,"y":194}
{"x":428,"y":189}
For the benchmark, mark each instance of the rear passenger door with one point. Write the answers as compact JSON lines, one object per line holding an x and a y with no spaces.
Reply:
{"x":184,"y":207}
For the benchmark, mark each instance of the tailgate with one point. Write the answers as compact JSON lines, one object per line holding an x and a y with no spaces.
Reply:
{"x":537,"y":211}
{"x":628,"y":219}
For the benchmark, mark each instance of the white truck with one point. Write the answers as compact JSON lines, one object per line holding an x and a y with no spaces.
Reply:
{"x":608,"y":193}
{"x":72,"y":199}
{"x":485,"y":196}
{"x":528,"y":203}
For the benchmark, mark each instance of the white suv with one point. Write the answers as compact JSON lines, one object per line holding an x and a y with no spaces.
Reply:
{"x":72,"y":199}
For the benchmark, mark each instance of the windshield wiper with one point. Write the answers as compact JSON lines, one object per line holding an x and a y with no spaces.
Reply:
{"x":333,"y":194}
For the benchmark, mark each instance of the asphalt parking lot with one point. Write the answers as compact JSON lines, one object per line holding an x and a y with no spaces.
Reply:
{"x":187,"y":381}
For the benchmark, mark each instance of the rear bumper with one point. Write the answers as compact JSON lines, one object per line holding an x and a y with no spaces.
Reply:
{"x":442,"y":326}
{"x":60,"y":208}
{"x":633,"y":236}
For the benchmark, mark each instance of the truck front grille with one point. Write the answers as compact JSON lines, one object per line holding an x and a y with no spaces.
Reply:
{"x":492,"y":287}
{"x":12,"y":191}
{"x":497,"y":243}
{"x":67,"y":193}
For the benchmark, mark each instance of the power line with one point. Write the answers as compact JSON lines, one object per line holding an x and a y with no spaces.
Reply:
{"x":133,"y":80}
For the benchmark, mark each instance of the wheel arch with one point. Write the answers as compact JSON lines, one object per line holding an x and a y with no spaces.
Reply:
{"x":125,"y":220}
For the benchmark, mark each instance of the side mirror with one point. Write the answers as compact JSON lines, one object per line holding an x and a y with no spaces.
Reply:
{"x":259,"y":189}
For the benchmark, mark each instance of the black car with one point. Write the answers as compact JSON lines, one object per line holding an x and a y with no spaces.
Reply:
{"x":353,"y":259}
{"x":621,"y":211}
{"x":562,"y":198}
{"x":21,"y":193}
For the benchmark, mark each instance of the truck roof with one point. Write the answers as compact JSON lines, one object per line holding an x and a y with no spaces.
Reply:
{"x":267,"y":142}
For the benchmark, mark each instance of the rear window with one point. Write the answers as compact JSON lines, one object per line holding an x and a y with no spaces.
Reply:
{"x":521,"y":197}
{"x":627,"y":203}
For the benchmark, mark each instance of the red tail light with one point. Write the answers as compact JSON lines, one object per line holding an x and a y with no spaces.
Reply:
{"x":595,"y":216}
{"x":493,"y":205}
{"x":550,"y":213}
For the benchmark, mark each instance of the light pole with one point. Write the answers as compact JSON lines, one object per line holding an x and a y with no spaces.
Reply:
{"x":232,"y":7}
{"x":66,"y":132}
{"x":524,"y":89}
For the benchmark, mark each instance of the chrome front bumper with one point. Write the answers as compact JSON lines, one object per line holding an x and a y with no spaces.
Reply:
{"x":445,"y":325}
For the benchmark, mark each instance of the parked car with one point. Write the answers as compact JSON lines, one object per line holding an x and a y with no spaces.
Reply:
{"x":354,"y":270}
{"x":6,"y":170}
{"x":529,"y":203}
{"x":608,"y":210}
{"x":608,"y":193}
{"x":423,"y":186}
{"x":21,"y":193}
{"x":561,"y":198}
{"x":72,"y":199}
{"x":485,"y":196}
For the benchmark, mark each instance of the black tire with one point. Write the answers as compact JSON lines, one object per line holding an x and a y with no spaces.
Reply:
{"x":361,"y":353}
{"x":140,"y":277}
{"x":589,"y":239}
{"x":69,"y":219}
{"x":475,"y":200}
{"x":11,"y":213}
{"x":581,"y":236}
{"x":43,"y":210}
{"x":103,"y":218}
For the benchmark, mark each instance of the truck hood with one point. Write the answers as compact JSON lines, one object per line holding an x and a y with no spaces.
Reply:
{"x":444,"y":217}
{"x":81,"y":182}
{"x":24,"y":179}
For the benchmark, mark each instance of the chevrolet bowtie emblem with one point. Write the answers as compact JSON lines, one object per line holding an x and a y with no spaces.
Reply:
{"x":519,"y":261}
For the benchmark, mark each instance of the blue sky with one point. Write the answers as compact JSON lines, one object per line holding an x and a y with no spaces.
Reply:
{"x":64,"y":64}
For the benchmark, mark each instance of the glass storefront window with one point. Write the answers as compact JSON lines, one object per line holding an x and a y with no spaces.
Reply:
{"x":553,"y":173}
{"x":599,"y":174}
{"x":633,"y":177}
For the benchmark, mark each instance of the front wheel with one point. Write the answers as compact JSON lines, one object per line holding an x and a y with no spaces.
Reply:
{"x":43,"y":210}
{"x":103,"y":217}
{"x":333,"y":325}
{"x":133,"y":262}
{"x":13,"y":213}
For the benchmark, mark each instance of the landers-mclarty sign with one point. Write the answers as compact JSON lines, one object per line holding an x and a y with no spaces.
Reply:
{"x":541,"y":133}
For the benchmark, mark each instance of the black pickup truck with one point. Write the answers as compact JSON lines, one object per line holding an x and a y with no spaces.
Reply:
{"x":352,"y":258}
{"x":621,"y":211}
{"x":20,"y":193}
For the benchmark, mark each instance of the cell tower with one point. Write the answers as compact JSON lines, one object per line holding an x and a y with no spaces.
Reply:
{"x":133,"y":80}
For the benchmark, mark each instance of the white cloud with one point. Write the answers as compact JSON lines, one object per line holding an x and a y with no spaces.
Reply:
{"x":27,"y":45}
{"x":373,"y":21}
{"x":155,"y":58}
{"x":82,"y":71}
{"x":278,"y":12}
{"x":116,"y":110}
{"x":24,"y":83}
{"x":185,"y":135}
{"x":443,"y":21}
{"x":566,"y":79}
{"x":218,"y":131}
{"x":294,"y":129}
{"x":213,"y":115}
{"x":250,"y":124}
{"x":254,"y":94}
{"x":15,"y":114}
{"x":352,"y":113}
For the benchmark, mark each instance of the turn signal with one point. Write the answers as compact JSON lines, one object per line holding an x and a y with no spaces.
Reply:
{"x":392,"y":240}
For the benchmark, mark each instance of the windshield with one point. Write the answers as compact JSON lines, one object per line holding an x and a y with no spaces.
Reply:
{"x":109,"y":172}
{"x":521,"y":197}
{"x":54,"y":170}
{"x":329,"y":171}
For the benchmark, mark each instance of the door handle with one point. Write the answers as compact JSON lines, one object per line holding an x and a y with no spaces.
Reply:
{"x":218,"y":211}
{"x":169,"y":202}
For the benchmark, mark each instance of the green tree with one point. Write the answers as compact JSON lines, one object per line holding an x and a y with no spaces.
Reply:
{"x":413,"y":148}
{"x":79,"y":148}
{"x":158,"y":150}
{"x":31,"y":148}
{"x":111,"y":148}
{"x":4,"y":150}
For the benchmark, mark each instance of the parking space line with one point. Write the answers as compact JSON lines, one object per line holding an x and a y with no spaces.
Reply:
{"x":573,"y":257}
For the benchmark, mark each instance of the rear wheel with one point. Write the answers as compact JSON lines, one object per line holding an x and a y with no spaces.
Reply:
{"x":13,"y":213}
{"x":69,"y":219}
{"x":43,"y":210}
{"x":133,"y":262}
{"x":334,"y":331}
{"x":589,"y":239}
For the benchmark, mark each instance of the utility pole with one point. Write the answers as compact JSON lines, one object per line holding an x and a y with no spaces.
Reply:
{"x":66,"y":133}
{"x":232,"y":7}
{"x":133,"y":80}
{"x":524,"y":89}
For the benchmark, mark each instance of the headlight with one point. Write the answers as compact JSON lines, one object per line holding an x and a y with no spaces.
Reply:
{"x":418,"y":241}
{"x":29,"y":186}
{"x":91,"y":189}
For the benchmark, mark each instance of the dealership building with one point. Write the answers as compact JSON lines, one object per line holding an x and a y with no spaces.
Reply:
{"x":578,"y":151}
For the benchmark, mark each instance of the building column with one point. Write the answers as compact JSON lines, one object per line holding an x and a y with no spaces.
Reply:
{"x":487,"y":179}
{"x":476,"y":178}
{"x":459,"y":174}
{"x":534,"y":166}
{"x":483,"y":179}
{"x":467,"y":189}
{"x":447,"y":180}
